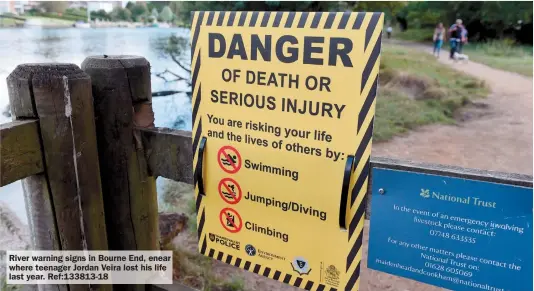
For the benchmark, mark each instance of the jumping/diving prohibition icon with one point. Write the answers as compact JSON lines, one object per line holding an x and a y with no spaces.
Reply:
{"x":230,"y":191}
{"x":230,"y":220}
{"x":229,"y":159}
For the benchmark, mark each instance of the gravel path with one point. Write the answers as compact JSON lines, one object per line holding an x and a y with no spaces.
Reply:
{"x":499,"y":140}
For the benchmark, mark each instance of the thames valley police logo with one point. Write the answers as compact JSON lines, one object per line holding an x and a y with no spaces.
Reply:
{"x":229,"y":243}
{"x":301,"y":266}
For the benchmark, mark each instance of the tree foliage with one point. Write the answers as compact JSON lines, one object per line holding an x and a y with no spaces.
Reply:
{"x":154,"y":13}
{"x":54,"y":6}
{"x":120,"y":13}
{"x":76,"y":11}
{"x":129,"y":5}
{"x":182,"y":9}
{"x":100,"y":14}
{"x":483,"y":19}
{"x":139,"y":11}
{"x":390,"y":8}
{"x":166,"y":14}
{"x":158,"y":5}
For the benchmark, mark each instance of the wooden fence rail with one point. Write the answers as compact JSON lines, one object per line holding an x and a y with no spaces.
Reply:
{"x":88,"y":166}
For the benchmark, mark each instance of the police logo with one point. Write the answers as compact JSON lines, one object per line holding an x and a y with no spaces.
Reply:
{"x":251,"y":250}
{"x":225,"y":241}
{"x":301,"y":266}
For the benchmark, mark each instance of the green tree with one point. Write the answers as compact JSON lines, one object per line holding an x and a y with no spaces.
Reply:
{"x":120,"y":13}
{"x":502,"y":15}
{"x":157,"y":4}
{"x":166,"y":14}
{"x":182,"y":9}
{"x":54,"y":6}
{"x":139,"y":11}
{"x":77,"y":12}
{"x":100,"y":14}
{"x":486,"y":17}
{"x":390,"y":8}
{"x":154,"y":13}
{"x":129,"y":5}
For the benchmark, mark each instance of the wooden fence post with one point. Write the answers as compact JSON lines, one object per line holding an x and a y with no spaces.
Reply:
{"x":65,"y":207}
{"x":120,"y":85}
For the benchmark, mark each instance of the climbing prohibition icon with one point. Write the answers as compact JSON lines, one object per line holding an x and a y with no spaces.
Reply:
{"x":230,"y":220}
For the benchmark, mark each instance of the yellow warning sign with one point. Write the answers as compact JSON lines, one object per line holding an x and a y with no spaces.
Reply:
{"x":283,"y":110}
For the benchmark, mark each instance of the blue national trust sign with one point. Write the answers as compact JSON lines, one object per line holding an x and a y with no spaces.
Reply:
{"x":450,"y":232}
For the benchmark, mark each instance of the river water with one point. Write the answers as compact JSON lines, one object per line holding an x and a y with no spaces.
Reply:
{"x":72,"y":45}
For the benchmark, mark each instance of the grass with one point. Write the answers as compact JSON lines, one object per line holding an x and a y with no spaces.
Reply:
{"x":416,"y":90}
{"x":499,"y":54}
{"x":502,"y":55}
{"x":8,"y":22}
{"x":416,"y":35}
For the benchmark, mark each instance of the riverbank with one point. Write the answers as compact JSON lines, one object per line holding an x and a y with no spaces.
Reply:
{"x":48,"y":22}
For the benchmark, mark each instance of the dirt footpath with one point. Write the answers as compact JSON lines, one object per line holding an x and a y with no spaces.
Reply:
{"x":499,"y":140}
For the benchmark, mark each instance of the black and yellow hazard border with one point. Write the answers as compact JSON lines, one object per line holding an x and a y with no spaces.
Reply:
{"x":367,"y":21}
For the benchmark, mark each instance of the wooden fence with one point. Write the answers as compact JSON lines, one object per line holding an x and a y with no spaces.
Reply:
{"x":88,"y":163}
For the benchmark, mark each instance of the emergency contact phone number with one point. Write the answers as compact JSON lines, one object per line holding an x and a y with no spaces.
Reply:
{"x":456,"y":237}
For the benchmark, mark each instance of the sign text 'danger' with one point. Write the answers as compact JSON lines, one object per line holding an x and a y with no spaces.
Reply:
{"x":312,"y":50}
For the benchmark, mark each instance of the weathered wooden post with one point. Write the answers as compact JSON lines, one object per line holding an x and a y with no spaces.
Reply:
{"x":121,"y":87}
{"x":64,"y":205}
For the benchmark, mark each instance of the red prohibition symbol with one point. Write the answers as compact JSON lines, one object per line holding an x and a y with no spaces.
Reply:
{"x":229,"y":159}
{"x":230,"y":220}
{"x":230,"y":191}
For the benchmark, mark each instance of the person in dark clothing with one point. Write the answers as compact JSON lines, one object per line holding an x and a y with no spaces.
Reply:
{"x":455,"y":37}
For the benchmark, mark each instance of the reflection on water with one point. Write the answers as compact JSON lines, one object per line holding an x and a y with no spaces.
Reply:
{"x":71,"y":45}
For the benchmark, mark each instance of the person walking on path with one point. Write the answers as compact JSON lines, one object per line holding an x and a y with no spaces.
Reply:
{"x":439,"y":33}
{"x":455,"y":37}
{"x":389,"y":30}
{"x":463,"y":39}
